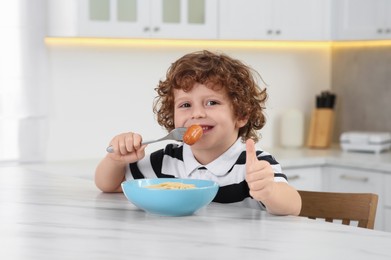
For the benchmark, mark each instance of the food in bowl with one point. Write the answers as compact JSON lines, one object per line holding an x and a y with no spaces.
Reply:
{"x":170,"y":202}
{"x":171,"y":186}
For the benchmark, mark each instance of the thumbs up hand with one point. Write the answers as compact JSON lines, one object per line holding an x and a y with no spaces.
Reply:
{"x":259,"y":175}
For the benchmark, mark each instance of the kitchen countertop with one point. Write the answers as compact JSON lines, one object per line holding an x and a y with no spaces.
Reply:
{"x":305,"y":157}
{"x":57,"y":213}
{"x":288,"y":158}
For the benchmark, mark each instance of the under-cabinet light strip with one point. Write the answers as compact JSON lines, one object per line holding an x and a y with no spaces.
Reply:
{"x":209,"y":43}
{"x":181,"y":43}
{"x":361,"y":44}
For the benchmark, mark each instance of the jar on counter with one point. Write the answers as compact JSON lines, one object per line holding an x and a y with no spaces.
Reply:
{"x":292,"y":128}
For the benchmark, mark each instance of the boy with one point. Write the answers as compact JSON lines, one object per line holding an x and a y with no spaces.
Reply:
{"x":221,"y":95}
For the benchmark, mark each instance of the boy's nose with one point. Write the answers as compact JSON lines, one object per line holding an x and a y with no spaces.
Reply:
{"x":198,"y":112}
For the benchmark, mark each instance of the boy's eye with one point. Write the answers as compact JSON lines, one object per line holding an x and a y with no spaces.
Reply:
{"x":184,"y":105}
{"x":212,"y":103}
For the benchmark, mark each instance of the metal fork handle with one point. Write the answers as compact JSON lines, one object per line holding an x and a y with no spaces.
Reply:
{"x":151,"y":141}
{"x":111,"y":150}
{"x":171,"y":136}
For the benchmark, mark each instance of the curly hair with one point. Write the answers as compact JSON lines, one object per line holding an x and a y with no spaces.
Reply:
{"x":214,"y":70}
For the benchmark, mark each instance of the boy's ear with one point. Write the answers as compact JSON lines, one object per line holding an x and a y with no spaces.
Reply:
{"x":241,"y":122}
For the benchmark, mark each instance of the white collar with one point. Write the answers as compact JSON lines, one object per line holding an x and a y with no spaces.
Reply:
{"x":220,"y":166}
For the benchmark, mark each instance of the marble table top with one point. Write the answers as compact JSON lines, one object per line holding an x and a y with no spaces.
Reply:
{"x":48,"y":215}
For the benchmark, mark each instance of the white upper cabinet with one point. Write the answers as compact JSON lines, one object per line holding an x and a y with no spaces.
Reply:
{"x":361,"y":19}
{"x":274,"y":19}
{"x":308,"y":20}
{"x":386,"y":29}
{"x":111,"y":18}
{"x":245,"y":19}
{"x":182,"y":19}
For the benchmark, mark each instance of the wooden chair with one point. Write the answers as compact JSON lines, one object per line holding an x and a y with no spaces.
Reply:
{"x":347,"y":207}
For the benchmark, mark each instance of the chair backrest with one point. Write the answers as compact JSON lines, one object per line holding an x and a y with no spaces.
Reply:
{"x":360,"y":207}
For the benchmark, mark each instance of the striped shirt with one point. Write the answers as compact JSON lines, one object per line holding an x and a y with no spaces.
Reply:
{"x":228,"y":170}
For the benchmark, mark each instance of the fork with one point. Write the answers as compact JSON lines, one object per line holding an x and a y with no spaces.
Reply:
{"x":175,"y":134}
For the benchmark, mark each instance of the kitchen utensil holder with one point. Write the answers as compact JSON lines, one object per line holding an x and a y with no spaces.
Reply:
{"x":321,"y":128}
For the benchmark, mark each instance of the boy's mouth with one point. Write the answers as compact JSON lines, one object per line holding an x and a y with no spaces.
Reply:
{"x":206,"y":128}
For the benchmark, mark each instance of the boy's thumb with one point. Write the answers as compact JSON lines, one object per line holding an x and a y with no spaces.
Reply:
{"x":251,"y":155}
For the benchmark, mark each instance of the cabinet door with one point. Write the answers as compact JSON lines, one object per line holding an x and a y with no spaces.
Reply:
{"x":358,"y":19}
{"x":300,"y":19}
{"x":387,"y":19}
{"x":338,"y":179}
{"x":189,"y":19}
{"x":387,"y":203}
{"x":387,"y":218}
{"x":245,"y":19}
{"x":178,"y":19}
{"x":114,"y":18}
{"x":305,"y":178}
{"x":353,"y":180}
{"x":274,"y":19}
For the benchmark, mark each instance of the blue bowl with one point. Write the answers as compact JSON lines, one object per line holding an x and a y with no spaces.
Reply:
{"x":175,"y":202}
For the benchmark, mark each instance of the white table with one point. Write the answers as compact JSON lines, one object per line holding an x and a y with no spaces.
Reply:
{"x":52,"y":215}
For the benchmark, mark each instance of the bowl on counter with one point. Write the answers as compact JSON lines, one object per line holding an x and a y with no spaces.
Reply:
{"x":148,"y":195}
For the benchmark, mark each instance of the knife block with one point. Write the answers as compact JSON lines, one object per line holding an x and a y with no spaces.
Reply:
{"x":321,"y":128}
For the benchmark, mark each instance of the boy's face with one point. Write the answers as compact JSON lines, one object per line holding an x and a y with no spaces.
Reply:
{"x":212,"y":109}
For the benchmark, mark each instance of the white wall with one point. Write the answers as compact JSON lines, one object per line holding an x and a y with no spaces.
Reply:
{"x":100,"y":91}
{"x":23,"y":78}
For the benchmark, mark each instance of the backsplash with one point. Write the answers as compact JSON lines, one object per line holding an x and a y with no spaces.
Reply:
{"x":361,"y":78}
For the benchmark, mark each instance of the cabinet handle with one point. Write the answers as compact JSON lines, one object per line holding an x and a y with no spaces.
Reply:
{"x":278,"y":32}
{"x":388,"y":30}
{"x":146,"y":29}
{"x":293,"y":177}
{"x":354,"y":178}
{"x":156,"y":29}
{"x":380,"y":30}
{"x":269,"y":32}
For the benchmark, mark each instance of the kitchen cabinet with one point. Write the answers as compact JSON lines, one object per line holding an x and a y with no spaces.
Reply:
{"x":334,"y":178}
{"x":305,"y":178}
{"x":387,"y":219}
{"x":222,"y":19}
{"x":387,"y":203}
{"x":274,"y":19}
{"x":182,"y":19}
{"x":342,"y":179}
{"x":361,"y":19}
